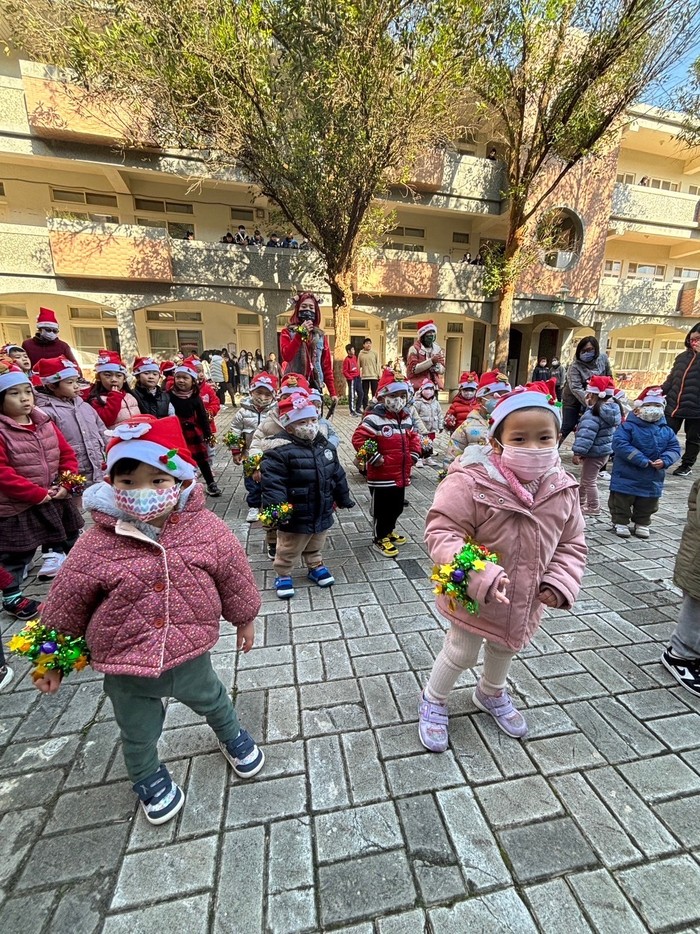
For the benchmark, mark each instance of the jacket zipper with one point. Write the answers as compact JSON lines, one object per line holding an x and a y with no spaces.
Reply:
{"x":680,"y":391}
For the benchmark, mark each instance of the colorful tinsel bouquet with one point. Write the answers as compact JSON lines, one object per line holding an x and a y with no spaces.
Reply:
{"x":75,"y":483}
{"x":49,"y":650}
{"x":251,"y":464}
{"x":452,"y":580}
{"x":367,"y":450}
{"x":302,"y":331}
{"x":441,"y":474}
{"x":272,"y":516}
{"x":426,"y":447}
{"x":233,"y":441}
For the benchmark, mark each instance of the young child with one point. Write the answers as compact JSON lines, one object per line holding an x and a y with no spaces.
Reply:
{"x":351,"y":374}
{"x":475,"y":427}
{"x":644,"y":447}
{"x":252,"y":412}
{"x":682,"y":657}
{"x":167,"y":369}
{"x":146,"y":586}
{"x":34,"y":510}
{"x":593,"y":441}
{"x":390,"y":426}
{"x":152,"y":400}
{"x":207,"y":393}
{"x":18,"y":355}
{"x":305,"y":472}
{"x":427,"y":417}
{"x":196,"y":427}
{"x":464,"y":402}
{"x":515,"y":500}
{"x":324,"y":425}
{"x":110,"y":395}
{"x":79,"y":423}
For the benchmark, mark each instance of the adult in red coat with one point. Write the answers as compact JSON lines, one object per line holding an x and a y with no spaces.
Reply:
{"x":46,"y":343}
{"x":305,"y":347}
{"x":464,"y":402}
{"x":425,"y":360}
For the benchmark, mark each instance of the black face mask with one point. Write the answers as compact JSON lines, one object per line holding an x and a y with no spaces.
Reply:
{"x":428,"y":339}
{"x":306,"y":315}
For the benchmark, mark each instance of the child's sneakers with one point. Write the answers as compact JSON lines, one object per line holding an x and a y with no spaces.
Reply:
{"x":22,"y":608}
{"x":284,"y":586}
{"x":397,"y":539}
{"x":272,"y":551}
{"x":161,"y":798}
{"x":321,"y":576}
{"x":501,"y":708}
{"x":686,"y":671}
{"x":641,"y":531}
{"x":386,"y":547}
{"x":622,"y":531}
{"x":432,"y":724}
{"x":253,"y":514}
{"x":244,"y":756}
{"x":213,"y":489}
{"x":6,"y":676}
{"x":51,"y":565}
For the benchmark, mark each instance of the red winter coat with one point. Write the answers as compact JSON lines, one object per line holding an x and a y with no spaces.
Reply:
{"x":351,"y":369}
{"x":298,"y":354}
{"x":458,"y":411}
{"x":399,"y":444}
{"x":113,"y":407}
{"x":208,"y":395}
{"x":146,"y":606}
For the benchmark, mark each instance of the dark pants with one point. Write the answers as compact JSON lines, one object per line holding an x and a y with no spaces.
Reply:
{"x":571,"y":413}
{"x":369,"y":389}
{"x":254,"y":497}
{"x":14,"y":562}
{"x":222,"y":389}
{"x":625,"y":506}
{"x":692,"y":437}
{"x":387,"y":506}
{"x":139,"y":710}
{"x":205,"y":469}
{"x":355,"y":395}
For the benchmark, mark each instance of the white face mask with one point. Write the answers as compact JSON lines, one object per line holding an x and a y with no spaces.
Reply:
{"x":650,"y":413}
{"x":428,"y":393}
{"x":47,"y":334}
{"x":306,"y":432}
{"x":395,"y":403}
{"x":147,"y":504}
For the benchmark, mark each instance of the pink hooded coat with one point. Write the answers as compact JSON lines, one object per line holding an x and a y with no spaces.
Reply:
{"x":538,"y":546}
{"x":146,"y":606}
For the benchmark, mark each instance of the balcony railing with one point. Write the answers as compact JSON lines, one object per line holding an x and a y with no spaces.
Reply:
{"x":653,"y":206}
{"x":417,"y":275}
{"x":453,"y":181}
{"x":640,"y":297}
{"x":110,"y":251}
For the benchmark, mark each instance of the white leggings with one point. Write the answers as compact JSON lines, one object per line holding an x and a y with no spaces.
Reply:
{"x":461,"y":651}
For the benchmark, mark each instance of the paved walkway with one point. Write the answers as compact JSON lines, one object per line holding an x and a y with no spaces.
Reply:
{"x":591,"y":824}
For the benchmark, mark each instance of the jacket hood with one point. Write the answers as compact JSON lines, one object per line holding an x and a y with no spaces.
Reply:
{"x":99,"y":499}
{"x":695,"y":329}
{"x":609,"y":413}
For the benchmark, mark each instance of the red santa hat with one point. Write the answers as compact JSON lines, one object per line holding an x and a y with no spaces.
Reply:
{"x":264,"y":381}
{"x":652,"y":395}
{"x":11,"y":375}
{"x":54,"y":369}
{"x":468,"y":381}
{"x":109,"y":361}
{"x":155,"y":441}
{"x":166,"y":367}
{"x":46,"y":319}
{"x":426,"y":384}
{"x":601,"y":386}
{"x":493,"y":381}
{"x":390,"y":382}
{"x":188,"y":367}
{"x":422,"y":327}
{"x":295,"y":407}
{"x":145,"y":365}
{"x":533,"y":395}
{"x":294,"y":383}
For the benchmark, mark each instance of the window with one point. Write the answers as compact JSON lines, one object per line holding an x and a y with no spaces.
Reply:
{"x":694,"y":189}
{"x":459,"y":236}
{"x":170,"y":315}
{"x":164,"y":342}
{"x":613,"y":268}
{"x":632,"y":354}
{"x":405,"y":238}
{"x":561,"y":232}
{"x":626,"y":178}
{"x":90,"y":341}
{"x":242,"y":214}
{"x":91,"y":313}
{"x":176,"y":229}
{"x":248,"y":319}
{"x":13,"y":311}
{"x":668,"y":352}
{"x":87,"y":216}
{"x":357,"y":324}
{"x":646,"y":271}
{"x":664,"y":184}
{"x":455,"y":327}
{"x":163,"y":207}
{"x":83,"y":197}
{"x":408,"y":325}
{"x":684,"y":272}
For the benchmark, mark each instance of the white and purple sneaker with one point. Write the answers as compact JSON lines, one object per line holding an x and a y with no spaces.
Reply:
{"x":432,"y":724}
{"x":501,"y":708}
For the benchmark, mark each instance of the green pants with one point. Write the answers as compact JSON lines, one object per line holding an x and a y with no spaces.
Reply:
{"x":139,"y":710}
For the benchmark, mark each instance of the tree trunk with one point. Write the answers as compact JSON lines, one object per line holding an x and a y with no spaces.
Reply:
{"x":341,"y":297}
{"x":507,"y":296}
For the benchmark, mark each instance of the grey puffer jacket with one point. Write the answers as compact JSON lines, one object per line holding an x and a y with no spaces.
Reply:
{"x":577,"y":377}
{"x":82,"y":428}
{"x":685,"y":574}
{"x":249,"y":418}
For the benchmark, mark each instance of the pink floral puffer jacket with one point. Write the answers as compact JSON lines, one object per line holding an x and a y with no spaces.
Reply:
{"x":146,"y":606}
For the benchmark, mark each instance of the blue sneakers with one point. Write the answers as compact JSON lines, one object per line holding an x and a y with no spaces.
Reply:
{"x":161,"y":798}
{"x":321,"y":576}
{"x":284,"y":587}
{"x":245,"y":757}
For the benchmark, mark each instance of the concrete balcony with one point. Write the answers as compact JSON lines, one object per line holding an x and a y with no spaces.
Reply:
{"x":450,"y":181}
{"x":417,"y":275}
{"x":641,"y":297}
{"x":109,"y":251}
{"x":25,"y":251}
{"x":653,"y":207}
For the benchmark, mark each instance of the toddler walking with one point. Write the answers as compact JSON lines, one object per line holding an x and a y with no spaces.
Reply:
{"x":475,"y":427}
{"x":194,"y":421}
{"x":593,"y":441}
{"x":255,"y":409}
{"x":464,"y":402}
{"x":516,"y":501}
{"x":427,"y":417}
{"x":152,"y":400}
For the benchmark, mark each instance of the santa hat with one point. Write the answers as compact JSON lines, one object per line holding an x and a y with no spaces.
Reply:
{"x":295,"y":407}
{"x":145,"y":365}
{"x":534,"y":395}
{"x":652,"y":395}
{"x":11,"y":375}
{"x":8,"y":348}
{"x":155,"y":441}
{"x":46,"y":319}
{"x":426,"y":384}
{"x":264,"y":381}
{"x":601,"y":386}
{"x":493,"y":381}
{"x":54,"y":369}
{"x":468,"y":381}
{"x":294,"y":383}
{"x":315,"y":396}
{"x":188,"y":367}
{"x":166,"y":367}
{"x":109,"y":361}
{"x":390,"y":382}
{"x":422,"y":327}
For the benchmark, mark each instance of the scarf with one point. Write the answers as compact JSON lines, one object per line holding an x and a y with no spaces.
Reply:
{"x":525,"y":492}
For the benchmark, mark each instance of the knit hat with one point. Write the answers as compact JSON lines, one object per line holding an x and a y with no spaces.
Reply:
{"x":109,"y":361}
{"x":390,"y":382}
{"x":12,"y":375}
{"x":493,"y":381}
{"x":264,"y":381}
{"x":295,"y":407}
{"x":652,"y":395}
{"x":188,"y":367}
{"x":155,"y":441}
{"x":533,"y":395}
{"x":468,"y":381}
{"x":145,"y":365}
{"x":166,"y":367}
{"x":601,"y":386}
{"x":294,"y":383}
{"x":54,"y":369}
{"x":422,"y":327}
{"x":46,"y":319}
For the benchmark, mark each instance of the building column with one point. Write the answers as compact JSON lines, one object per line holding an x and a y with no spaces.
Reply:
{"x":601,"y":333}
{"x":126,"y":327}
{"x":391,"y":333}
{"x":269,"y":334}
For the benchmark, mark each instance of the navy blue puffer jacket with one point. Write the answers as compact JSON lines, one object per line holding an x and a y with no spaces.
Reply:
{"x":594,"y":433}
{"x":635,"y":444}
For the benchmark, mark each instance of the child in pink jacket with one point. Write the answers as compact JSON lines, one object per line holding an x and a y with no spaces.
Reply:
{"x":514,"y":499}
{"x":146,"y":586}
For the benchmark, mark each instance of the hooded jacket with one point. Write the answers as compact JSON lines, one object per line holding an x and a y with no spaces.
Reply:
{"x":594,"y":433}
{"x":636,"y":443}
{"x":577,"y":377}
{"x":458,"y":411}
{"x":538,"y":546}
{"x":685,"y":574}
{"x":144,"y":605}
{"x":426,"y":415}
{"x":82,"y":428}
{"x":399,"y":445}
{"x":682,"y":385}
{"x":312,"y":358}
{"x":248,"y":418}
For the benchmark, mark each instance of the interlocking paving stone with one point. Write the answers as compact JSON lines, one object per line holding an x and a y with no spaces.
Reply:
{"x":262,"y":801}
{"x":326,"y":773}
{"x":432,"y":855}
{"x":605,"y":904}
{"x":520,"y":801}
{"x":499,"y":911}
{"x":238,"y":904}
{"x":546,"y":849}
{"x":365,"y":887}
{"x":556,"y":909}
{"x":678,"y":732}
{"x":183,"y":868}
{"x":185,"y":914}
{"x":682,"y":816}
{"x":566,"y":753}
{"x":357,"y":832}
{"x":365,"y":774}
{"x":476,"y":848}
{"x":292,"y":912}
{"x":665,"y":893}
{"x":661,"y":777}
{"x":17,"y":833}
{"x":73,"y":856}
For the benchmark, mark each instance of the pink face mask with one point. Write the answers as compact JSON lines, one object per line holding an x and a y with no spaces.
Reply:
{"x":529,"y":463}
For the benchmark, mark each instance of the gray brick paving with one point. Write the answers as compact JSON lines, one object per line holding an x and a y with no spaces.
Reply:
{"x":588,"y":825}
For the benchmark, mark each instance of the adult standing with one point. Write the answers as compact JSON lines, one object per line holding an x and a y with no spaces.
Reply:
{"x":557,"y":372}
{"x":682,"y":390}
{"x":231,"y":366}
{"x":541,"y":372}
{"x":259,"y":362}
{"x":46,"y":343}
{"x":220,"y":377}
{"x":245,"y":370}
{"x":588,"y":362}
{"x":304,"y":346}
{"x":273,"y":367}
{"x":425,"y":360}
{"x":368,"y":362}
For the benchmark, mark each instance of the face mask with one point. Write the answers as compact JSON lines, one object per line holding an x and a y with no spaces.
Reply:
{"x":489,"y":403}
{"x":555,"y":363}
{"x":428,"y":339}
{"x":650,"y":413}
{"x":587,"y":357}
{"x":306,"y":314}
{"x":529,"y":463}
{"x":428,"y":393}
{"x":467,"y":394}
{"x":395,"y":403}
{"x":695,"y":343}
{"x":147,"y":504}
{"x":305,"y":432}
{"x":48,"y":335}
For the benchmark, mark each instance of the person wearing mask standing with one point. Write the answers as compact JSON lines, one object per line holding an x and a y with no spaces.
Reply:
{"x":541,"y":372}
{"x":425,"y":359}
{"x":46,"y":343}
{"x":557,"y":372}
{"x":682,"y":390}
{"x":304,"y":346}
{"x":588,"y":362}
{"x":368,"y":362}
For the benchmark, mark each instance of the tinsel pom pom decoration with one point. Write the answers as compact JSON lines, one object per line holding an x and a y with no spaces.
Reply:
{"x":452,"y":580}
{"x":272,"y":516}
{"x":49,"y":650}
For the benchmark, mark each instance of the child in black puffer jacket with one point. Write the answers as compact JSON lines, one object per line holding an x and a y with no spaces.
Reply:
{"x":302,"y":469}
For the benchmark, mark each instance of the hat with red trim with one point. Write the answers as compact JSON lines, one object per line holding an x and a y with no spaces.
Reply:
{"x":493,"y":381}
{"x":294,"y":383}
{"x":54,"y":369}
{"x":468,"y":381}
{"x":47,"y":319}
{"x":295,"y":407}
{"x":601,"y":386}
{"x":422,"y":327}
{"x":166,"y":367}
{"x":9,"y":348}
{"x":109,"y":361}
{"x":155,"y":441}
{"x":390,"y":382}
{"x":11,"y":375}
{"x":188,"y":367}
{"x":145,"y":365}
{"x":426,"y":384}
{"x":652,"y":395}
{"x":533,"y":395}
{"x":264,"y":381}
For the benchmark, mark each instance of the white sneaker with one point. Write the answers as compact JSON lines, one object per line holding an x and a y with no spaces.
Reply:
{"x":253,"y":513}
{"x":641,"y":531}
{"x":622,"y":531}
{"x":605,"y":476}
{"x":433,"y":462}
{"x":7,"y":676}
{"x":51,"y":565}
{"x":419,"y":464}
